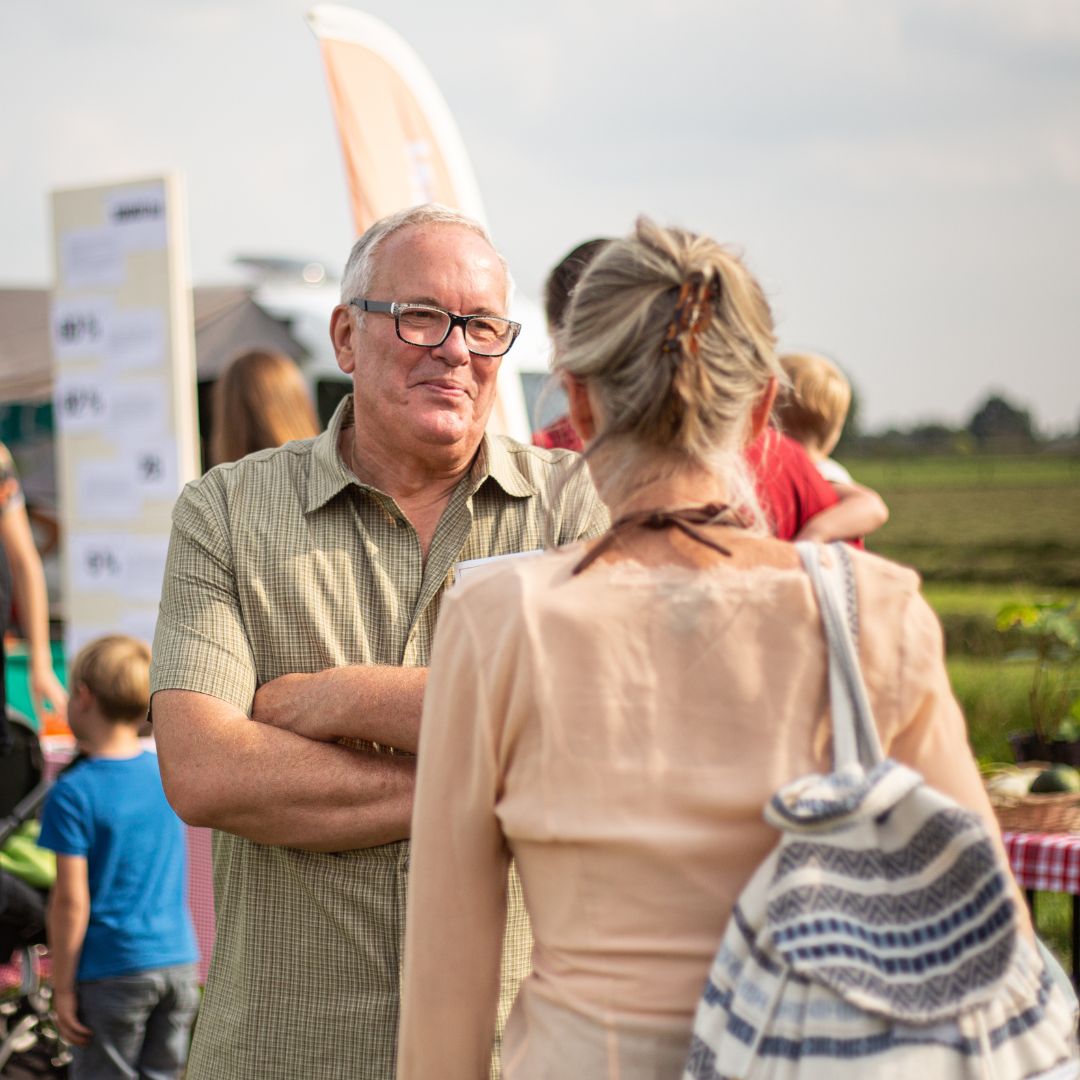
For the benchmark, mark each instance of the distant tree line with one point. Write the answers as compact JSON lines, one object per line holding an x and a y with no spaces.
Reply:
{"x":997,"y":426}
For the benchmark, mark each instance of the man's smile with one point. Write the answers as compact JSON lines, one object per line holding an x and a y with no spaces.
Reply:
{"x":448,"y":387}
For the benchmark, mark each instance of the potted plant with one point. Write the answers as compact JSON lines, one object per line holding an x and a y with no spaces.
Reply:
{"x":1049,"y":635}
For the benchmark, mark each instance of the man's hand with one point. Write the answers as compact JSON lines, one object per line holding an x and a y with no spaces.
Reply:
{"x":72,"y":1029}
{"x":287,"y":701}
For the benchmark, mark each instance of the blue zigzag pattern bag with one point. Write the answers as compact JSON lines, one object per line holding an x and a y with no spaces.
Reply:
{"x":879,"y":938}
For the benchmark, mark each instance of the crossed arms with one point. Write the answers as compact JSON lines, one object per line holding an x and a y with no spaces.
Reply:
{"x":280,"y":777}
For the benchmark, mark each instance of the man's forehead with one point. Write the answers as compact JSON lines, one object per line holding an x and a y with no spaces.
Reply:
{"x":416,"y":259}
{"x":417,"y":247}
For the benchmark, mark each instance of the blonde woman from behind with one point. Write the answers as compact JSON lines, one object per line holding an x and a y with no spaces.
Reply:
{"x":615,"y":715}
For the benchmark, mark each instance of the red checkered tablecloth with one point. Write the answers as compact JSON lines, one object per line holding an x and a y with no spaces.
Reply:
{"x":1048,"y":862}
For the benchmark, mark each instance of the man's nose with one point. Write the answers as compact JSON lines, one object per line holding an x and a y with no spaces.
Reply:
{"x":453,"y":351}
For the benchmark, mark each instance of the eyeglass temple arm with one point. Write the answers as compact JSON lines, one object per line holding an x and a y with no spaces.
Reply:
{"x":372,"y":305}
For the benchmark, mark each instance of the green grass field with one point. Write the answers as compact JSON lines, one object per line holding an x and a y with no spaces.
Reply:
{"x":998,"y":536}
{"x":984,"y":532}
{"x":993,"y":696}
{"x":1006,"y":522}
{"x":977,"y":598}
{"x":974,"y":471}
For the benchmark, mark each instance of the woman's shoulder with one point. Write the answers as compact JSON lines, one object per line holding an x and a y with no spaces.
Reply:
{"x":877,"y":573}
{"x":891,"y":602}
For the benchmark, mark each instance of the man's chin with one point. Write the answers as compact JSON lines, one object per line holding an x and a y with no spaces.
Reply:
{"x":447,"y":428}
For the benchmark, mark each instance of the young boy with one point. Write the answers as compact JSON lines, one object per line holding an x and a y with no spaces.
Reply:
{"x":121,"y":938}
{"x":812,"y":412}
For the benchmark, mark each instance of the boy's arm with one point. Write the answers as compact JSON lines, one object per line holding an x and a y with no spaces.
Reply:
{"x":66,"y":921}
{"x":860,"y":511}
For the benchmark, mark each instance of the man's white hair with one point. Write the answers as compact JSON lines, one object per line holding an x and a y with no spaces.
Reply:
{"x":360,"y":269}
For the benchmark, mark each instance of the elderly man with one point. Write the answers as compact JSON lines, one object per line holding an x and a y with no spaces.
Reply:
{"x":302,"y":591}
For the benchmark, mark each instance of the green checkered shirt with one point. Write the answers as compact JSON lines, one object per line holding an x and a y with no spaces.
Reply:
{"x":283,"y":562}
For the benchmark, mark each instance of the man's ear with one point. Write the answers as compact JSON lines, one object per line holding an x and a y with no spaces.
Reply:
{"x":343,"y":338}
{"x":762,"y":409}
{"x":581,"y":409}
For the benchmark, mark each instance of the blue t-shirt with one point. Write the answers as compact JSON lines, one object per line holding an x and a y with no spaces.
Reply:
{"x":113,"y":812}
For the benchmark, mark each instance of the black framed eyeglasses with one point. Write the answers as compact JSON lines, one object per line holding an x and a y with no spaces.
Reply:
{"x":429,"y":327}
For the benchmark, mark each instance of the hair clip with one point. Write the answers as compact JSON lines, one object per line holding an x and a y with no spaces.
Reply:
{"x":692,"y":309}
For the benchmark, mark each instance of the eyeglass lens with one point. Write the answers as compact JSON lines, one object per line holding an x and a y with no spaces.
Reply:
{"x":429,"y":327}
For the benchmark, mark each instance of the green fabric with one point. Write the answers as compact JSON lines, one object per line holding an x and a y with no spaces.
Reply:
{"x":18,"y":678}
{"x":22,"y":857}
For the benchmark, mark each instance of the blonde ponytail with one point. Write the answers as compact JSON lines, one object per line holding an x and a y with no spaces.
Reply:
{"x":675,"y":337}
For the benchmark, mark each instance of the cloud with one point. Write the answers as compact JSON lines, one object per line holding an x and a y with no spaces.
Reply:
{"x":1011,"y":158}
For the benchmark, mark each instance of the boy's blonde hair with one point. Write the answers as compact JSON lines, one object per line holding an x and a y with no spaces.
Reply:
{"x":116,"y":670}
{"x":813,"y":409}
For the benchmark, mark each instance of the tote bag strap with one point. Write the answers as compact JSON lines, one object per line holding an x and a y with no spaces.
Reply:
{"x":855,"y":737}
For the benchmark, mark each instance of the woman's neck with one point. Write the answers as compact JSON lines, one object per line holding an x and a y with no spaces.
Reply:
{"x":689,"y":487}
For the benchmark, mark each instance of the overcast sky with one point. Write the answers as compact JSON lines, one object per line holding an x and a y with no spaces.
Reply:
{"x":903,"y":175}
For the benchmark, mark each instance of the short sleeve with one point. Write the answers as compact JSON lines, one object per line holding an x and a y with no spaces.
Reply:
{"x":200,"y":643}
{"x":65,"y":821}
{"x":814,"y":491}
{"x":790,"y":489}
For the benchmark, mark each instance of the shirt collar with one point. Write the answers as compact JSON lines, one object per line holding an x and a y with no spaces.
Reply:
{"x":330,"y":476}
{"x":495,"y":461}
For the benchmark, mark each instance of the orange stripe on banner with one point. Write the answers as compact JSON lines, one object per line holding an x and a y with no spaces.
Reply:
{"x":392,"y":158}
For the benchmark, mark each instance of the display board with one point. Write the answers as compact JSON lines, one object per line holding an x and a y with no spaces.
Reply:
{"x":124,"y":398}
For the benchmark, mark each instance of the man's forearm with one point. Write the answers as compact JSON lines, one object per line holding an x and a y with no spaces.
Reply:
{"x":380,"y":704}
{"x":272,"y":786}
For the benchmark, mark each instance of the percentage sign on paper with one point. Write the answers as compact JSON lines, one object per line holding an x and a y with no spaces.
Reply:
{"x":75,"y":328}
{"x":102,"y":563}
{"x":151,"y":468}
{"x":82,"y":403}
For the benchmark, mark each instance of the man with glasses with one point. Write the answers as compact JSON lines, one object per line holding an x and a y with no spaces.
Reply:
{"x":301,"y":593}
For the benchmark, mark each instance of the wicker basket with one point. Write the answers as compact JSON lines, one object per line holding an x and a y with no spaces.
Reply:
{"x":1038,"y":813}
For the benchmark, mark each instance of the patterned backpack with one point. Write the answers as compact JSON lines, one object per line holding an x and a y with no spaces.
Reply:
{"x":879,"y":938}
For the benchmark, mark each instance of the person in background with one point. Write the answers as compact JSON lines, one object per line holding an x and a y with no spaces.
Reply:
{"x":301,"y":592}
{"x":789,"y":488}
{"x":22,"y":577}
{"x":812,"y":409}
{"x":615,"y":716}
{"x":560,"y":434}
{"x":260,"y":400}
{"x":122,"y":943}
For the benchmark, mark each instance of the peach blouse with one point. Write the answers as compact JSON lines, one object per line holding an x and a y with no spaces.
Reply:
{"x":619,"y":734}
